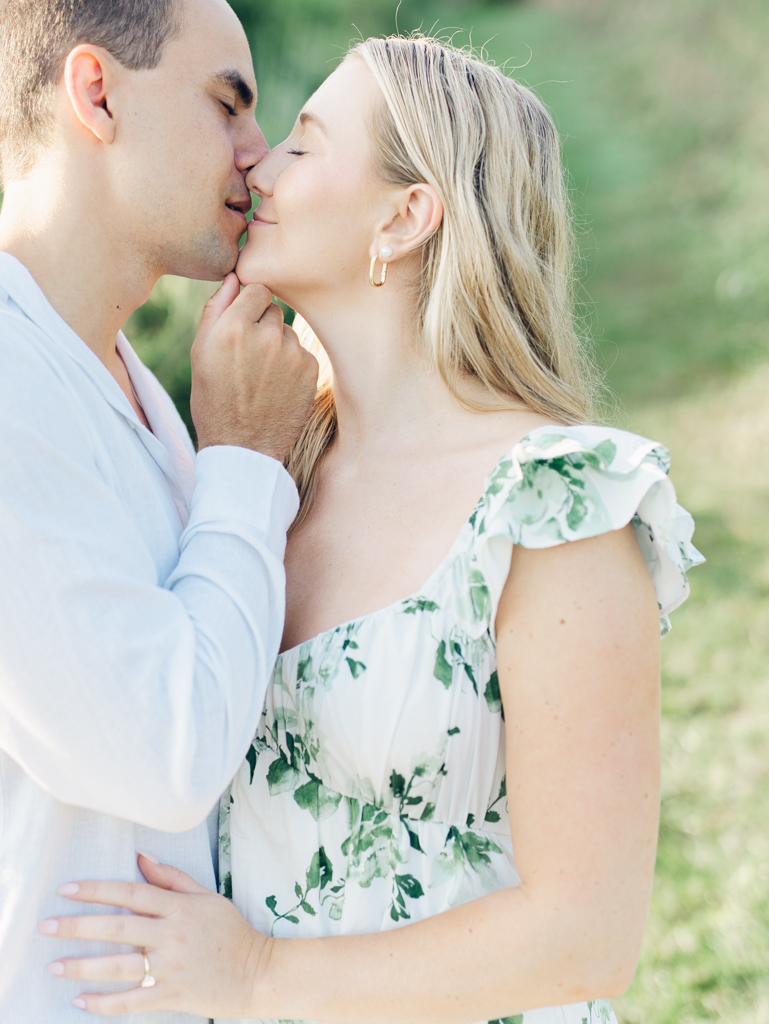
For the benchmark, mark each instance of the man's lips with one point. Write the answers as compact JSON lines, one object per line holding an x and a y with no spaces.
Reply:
{"x":238,"y":210}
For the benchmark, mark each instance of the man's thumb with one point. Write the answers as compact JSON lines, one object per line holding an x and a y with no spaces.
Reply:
{"x":219,"y":302}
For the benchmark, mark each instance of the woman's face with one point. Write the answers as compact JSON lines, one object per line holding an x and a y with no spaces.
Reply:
{"x":321,"y":203}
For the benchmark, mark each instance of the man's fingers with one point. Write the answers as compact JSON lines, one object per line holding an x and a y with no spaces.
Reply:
{"x":252,"y":382}
{"x":127,"y":929}
{"x":219,"y":301}
{"x":121,"y":967}
{"x":311,"y":367}
{"x":135,"y":896}
{"x":307,"y":359}
{"x":253,"y":302}
{"x":273,"y":315}
{"x":225,"y":296}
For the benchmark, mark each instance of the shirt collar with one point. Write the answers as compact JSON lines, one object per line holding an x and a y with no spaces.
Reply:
{"x":166,"y":442}
{"x":167,"y":426}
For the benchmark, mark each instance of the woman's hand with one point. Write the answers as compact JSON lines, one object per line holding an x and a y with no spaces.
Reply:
{"x":204,"y":956}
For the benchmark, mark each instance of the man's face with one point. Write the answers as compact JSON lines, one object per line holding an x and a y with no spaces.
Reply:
{"x":186,"y":137}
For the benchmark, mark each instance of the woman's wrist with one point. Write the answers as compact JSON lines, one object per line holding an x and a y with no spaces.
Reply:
{"x":289,"y":976}
{"x":259,"y":957}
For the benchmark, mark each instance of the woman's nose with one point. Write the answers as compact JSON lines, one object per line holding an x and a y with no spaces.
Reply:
{"x":261,"y":176}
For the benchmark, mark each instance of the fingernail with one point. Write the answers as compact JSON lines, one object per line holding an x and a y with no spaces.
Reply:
{"x":79,"y":1003}
{"x":150,"y":858}
{"x":69,"y":889}
{"x":57,"y":967}
{"x":49,"y":927}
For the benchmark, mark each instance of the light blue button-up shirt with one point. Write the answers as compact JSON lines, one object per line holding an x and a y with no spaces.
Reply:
{"x":142,"y":599}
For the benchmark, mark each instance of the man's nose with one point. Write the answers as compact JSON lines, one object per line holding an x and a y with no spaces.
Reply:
{"x":254,"y":149}
{"x":261,"y":176}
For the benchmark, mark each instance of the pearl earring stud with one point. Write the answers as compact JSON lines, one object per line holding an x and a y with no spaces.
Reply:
{"x":386,"y":253}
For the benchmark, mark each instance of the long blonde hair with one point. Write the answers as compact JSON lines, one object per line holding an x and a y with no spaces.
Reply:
{"x":495,"y":300}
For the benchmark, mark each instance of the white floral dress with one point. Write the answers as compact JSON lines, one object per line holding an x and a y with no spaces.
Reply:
{"x":374,"y":792}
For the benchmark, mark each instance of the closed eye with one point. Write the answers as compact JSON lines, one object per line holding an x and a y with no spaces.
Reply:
{"x":230,"y":109}
{"x":297,"y":152}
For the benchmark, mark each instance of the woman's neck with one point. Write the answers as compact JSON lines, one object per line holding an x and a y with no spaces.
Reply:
{"x":389,"y":398}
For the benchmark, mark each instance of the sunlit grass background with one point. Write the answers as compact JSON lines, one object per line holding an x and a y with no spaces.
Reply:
{"x":664,"y":106}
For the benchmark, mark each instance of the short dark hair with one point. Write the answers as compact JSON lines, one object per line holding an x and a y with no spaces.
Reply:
{"x":36,"y":37}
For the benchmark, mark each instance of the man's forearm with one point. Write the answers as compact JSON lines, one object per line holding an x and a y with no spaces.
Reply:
{"x":119,"y":694}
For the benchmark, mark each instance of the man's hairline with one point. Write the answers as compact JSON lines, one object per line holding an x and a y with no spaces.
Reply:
{"x":229,"y":76}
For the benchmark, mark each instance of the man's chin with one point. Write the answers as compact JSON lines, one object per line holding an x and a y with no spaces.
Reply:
{"x":209,"y":258}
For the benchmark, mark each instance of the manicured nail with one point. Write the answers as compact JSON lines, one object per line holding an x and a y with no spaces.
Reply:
{"x":150,"y":858}
{"x":57,"y":967}
{"x":79,"y":1003}
{"x":68,"y":889}
{"x":49,"y":927}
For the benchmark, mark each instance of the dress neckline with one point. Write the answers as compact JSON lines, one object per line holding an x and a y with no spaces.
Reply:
{"x":442,"y":565}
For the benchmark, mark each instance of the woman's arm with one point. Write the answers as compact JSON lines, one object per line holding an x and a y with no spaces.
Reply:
{"x":578,"y":639}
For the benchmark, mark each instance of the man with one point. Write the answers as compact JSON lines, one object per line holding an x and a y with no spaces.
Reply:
{"x":141,"y":593}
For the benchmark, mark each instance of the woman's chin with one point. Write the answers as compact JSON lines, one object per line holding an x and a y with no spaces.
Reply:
{"x":251,"y":271}
{"x":247,"y":268}
{"x":253,"y":267}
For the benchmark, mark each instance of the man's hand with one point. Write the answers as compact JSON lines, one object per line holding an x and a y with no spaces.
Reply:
{"x":252,"y":382}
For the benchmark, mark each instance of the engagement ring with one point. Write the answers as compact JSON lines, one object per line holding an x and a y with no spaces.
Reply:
{"x":147,"y":981}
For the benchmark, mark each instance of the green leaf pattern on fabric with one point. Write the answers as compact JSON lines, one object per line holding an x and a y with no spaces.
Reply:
{"x":599,"y":1012}
{"x":374,"y":792}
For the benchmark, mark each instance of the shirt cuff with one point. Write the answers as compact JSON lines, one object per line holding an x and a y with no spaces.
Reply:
{"x":243,"y":485}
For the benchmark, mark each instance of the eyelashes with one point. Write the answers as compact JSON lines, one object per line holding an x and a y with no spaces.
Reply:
{"x":296,"y":152}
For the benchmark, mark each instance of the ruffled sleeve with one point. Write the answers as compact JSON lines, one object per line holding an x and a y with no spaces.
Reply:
{"x":570,"y":483}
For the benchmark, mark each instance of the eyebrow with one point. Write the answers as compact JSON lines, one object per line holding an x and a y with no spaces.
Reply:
{"x":235,"y":81}
{"x":307,"y":118}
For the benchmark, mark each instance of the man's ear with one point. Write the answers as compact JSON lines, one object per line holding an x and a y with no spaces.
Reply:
{"x":419,"y":214}
{"x":88,"y":80}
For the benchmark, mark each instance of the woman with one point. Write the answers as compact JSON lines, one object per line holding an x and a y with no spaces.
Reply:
{"x":416,"y":218}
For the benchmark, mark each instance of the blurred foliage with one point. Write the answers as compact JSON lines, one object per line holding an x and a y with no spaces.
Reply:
{"x":664,"y":108}
{"x":297,"y":43}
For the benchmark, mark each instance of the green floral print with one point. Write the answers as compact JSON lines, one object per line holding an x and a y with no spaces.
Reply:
{"x":374,"y":793}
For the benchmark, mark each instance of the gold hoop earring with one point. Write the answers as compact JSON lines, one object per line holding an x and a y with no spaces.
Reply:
{"x":372,"y":268}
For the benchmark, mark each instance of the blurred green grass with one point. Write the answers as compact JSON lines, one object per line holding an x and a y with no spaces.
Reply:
{"x":664,"y":106}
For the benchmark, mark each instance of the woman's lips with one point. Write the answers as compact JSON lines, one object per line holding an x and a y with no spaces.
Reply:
{"x":258,"y":220}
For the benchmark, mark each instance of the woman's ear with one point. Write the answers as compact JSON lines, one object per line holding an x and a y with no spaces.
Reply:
{"x":87,"y":77}
{"x":419,"y":214}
